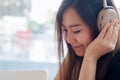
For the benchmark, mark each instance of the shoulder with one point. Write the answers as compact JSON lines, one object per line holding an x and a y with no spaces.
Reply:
{"x":114,"y":68}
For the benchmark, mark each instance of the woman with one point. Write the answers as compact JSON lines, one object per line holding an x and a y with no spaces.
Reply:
{"x":91,"y":54}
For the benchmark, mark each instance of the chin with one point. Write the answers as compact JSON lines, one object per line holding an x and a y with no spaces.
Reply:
{"x":81,"y":54}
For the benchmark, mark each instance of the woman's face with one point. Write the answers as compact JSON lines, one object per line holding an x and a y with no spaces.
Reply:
{"x":76,"y":32}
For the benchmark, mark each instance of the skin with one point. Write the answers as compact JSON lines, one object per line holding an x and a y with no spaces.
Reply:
{"x":80,"y":38}
{"x":106,"y":40}
{"x":76,"y":32}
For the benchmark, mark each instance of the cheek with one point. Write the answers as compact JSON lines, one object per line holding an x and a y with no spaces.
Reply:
{"x":84,"y":38}
{"x":88,"y":40}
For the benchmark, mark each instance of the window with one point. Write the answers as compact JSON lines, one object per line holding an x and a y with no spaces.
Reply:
{"x":27,"y":35}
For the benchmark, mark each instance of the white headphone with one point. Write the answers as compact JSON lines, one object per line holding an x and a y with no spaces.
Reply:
{"x":106,"y":15}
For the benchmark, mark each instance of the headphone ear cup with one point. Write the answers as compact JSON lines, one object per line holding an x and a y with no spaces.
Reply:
{"x":105,"y":16}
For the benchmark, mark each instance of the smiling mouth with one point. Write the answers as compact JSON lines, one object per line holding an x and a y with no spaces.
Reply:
{"x":76,"y":47}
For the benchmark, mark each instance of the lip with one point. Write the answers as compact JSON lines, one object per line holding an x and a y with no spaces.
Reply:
{"x":75,"y":47}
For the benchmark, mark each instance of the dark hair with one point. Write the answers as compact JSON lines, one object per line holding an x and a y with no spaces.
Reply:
{"x":88,"y":11}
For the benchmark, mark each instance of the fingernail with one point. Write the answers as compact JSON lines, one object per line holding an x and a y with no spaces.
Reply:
{"x":108,"y":24}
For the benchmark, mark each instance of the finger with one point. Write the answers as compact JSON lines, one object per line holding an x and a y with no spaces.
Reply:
{"x":110,"y":29}
{"x":115,"y":32}
{"x":116,"y":28}
{"x":104,"y":30}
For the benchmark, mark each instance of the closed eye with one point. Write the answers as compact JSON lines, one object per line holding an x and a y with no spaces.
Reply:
{"x":75,"y":32}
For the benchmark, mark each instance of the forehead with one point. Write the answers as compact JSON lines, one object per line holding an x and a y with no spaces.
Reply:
{"x":70,"y":16}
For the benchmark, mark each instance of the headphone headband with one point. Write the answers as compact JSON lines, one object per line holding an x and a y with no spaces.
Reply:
{"x":105,"y":4}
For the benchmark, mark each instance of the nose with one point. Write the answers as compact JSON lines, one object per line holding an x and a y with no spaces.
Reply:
{"x":70,"y":38}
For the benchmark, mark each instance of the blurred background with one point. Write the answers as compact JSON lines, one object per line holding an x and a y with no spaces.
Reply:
{"x":27,"y":35}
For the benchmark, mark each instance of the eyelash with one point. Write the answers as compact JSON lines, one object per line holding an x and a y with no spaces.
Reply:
{"x":75,"y":32}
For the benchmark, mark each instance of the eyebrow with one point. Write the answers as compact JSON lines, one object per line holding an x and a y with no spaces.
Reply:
{"x":73,"y":25}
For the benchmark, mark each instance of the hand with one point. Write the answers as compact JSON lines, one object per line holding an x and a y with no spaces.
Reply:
{"x":105,"y":42}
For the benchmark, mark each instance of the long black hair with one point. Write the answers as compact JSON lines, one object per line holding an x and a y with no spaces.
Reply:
{"x":88,"y":11}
